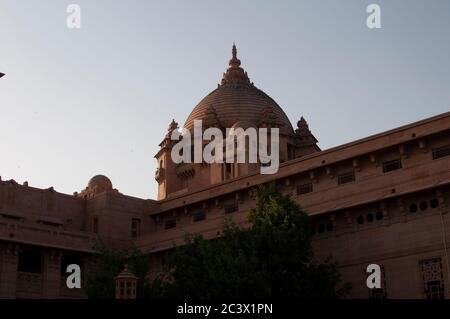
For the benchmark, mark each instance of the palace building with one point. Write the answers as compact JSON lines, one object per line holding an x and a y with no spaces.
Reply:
{"x":383,"y":199}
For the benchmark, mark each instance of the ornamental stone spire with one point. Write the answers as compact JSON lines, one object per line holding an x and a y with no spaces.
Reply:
{"x":235,"y":75}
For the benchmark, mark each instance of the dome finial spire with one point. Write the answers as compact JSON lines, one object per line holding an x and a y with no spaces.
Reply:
{"x":235,"y":74}
{"x":234,"y":62}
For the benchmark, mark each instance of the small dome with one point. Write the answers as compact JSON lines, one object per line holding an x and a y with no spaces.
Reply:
{"x":101,"y":182}
{"x":126,"y":274}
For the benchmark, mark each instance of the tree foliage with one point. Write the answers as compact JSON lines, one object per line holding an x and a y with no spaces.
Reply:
{"x":108,"y":263}
{"x":272,"y":259}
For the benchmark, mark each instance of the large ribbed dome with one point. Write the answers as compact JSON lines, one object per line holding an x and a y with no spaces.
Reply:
{"x":236,"y":99}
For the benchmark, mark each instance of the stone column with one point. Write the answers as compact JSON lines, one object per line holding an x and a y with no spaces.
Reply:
{"x":8,"y":270}
{"x":52,"y":274}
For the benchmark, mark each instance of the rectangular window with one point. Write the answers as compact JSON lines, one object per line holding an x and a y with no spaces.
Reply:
{"x":231,"y":208}
{"x":95,"y":225}
{"x":228,"y":170}
{"x":171,"y":223}
{"x":304,"y":188}
{"x":441,"y":151}
{"x":30,"y":261}
{"x":135,"y":227}
{"x":434,"y":290}
{"x":392,"y":165}
{"x":346,"y":178}
{"x":291,"y":151}
{"x":198,"y":216}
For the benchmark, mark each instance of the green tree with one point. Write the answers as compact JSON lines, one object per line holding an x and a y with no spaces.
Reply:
{"x":272,"y":259}
{"x":108,"y":263}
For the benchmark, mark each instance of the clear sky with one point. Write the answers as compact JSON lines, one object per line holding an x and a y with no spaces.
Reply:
{"x":98,"y":100}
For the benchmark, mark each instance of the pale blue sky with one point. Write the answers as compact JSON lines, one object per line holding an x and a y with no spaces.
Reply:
{"x":98,"y":100}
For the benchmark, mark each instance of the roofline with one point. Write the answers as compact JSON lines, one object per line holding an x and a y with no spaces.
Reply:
{"x":375,"y":136}
{"x":34,"y":243}
{"x":338,"y":148}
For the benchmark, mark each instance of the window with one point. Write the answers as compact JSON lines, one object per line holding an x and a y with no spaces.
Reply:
{"x":291,"y":151}
{"x":192,"y":153}
{"x":441,"y":152}
{"x":199,"y":216}
{"x":135,"y":227}
{"x":30,"y":261}
{"x":330,"y":227}
{"x":379,"y":215}
{"x":95,"y":225}
{"x":346,"y":178}
{"x":423,"y":205}
{"x":304,"y":188}
{"x":433,"y":280}
{"x":231,"y":208}
{"x":171,"y":223}
{"x":227,"y":171}
{"x":370,"y":218}
{"x":360,"y":220}
{"x":434,"y":203}
{"x":321,"y":228}
{"x":392,"y":165}
{"x":434,"y":290}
